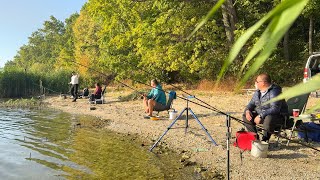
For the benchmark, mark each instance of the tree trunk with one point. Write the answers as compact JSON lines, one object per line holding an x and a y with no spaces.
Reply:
{"x":229,"y":20}
{"x":225,"y":19}
{"x":286,"y":47}
{"x":232,"y":14}
{"x":310,"y":35}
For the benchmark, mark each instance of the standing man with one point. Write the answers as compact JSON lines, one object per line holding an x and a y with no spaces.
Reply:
{"x":74,"y":86}
{"x":155,"y":99}
{"x":269,"y":115}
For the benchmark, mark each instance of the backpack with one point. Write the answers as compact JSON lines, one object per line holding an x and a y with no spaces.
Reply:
{"x":85,"y":92}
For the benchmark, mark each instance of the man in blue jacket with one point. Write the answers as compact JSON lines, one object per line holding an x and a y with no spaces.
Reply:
{"x":155,"y":99}
{"x":270,"y":115}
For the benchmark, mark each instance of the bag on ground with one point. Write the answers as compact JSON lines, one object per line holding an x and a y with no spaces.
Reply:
{"x":309,"y":131}
{"x":244,"y":139}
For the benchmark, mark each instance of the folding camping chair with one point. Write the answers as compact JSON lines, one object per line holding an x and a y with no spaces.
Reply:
{"x":101,"y":99}
{"x":298,"y":102}
{"x":168,"y":106}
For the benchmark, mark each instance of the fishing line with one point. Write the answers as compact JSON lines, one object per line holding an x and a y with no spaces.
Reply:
{"x":108,"y":76}
{"x":214,"y":109}
{"x":208,"y":106}
{"x":217,"y":110}
{"x":38,"y":85}
{"x":180,"y":89}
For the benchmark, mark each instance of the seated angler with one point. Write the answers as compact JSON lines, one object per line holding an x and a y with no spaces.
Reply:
{"x":155,"y":99}
{"x":97,"y":93}
{"x":270,"y":115}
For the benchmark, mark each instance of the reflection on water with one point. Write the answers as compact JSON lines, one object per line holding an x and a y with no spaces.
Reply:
{"x":56,"y":145}
{"x":20,"y":140}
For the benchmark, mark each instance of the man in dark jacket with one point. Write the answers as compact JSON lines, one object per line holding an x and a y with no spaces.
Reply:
{"x":270,"y":114}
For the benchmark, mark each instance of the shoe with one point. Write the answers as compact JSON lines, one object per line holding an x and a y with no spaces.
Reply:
{"x":155,"y":118}
{"x":74,"y":100}
{"x":147,"y":117}
{"x":265,"y":139}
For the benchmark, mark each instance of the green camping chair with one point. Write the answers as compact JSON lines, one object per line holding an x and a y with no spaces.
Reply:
{"x":298,"y":102}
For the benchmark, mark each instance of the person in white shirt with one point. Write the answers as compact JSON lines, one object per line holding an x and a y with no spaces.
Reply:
{"x":74,"y":86}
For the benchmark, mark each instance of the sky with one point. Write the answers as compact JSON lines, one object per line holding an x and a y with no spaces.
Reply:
{"x":19,"y":18}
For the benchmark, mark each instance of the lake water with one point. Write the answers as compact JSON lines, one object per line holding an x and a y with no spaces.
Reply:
{"x":55,"y":145}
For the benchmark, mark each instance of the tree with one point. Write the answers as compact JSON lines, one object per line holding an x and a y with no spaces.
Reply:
{"x":67,"y":54}
{"x":44,"y":45}
{"x":311,"y":11}
{"x":86,"y":45}
{"x":229,"y":19}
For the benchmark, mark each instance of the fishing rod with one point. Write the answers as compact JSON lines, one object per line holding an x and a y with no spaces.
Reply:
{"x":241,"y":121}
{"x":132,"y":65}
{"x":223,"y":113}
{"x":180,"y":89}
{"x":45,"y":88}
{"x":207,"y":107}
{"x":108,"y":76}
{"x":212,"y":108}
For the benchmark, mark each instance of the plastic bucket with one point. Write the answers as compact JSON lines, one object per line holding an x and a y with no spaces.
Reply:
{"x":173,"y":114}
{"x":259,"y":149}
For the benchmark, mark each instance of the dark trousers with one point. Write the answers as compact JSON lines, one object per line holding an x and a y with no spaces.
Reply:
{"x":270,"y":122}
{"x":74,"y":91}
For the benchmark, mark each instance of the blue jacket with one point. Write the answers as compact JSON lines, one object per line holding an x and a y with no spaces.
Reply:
{"x":158,"y":95}
{"x":274,"y":108}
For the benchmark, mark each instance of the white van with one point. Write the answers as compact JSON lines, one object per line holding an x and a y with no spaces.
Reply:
{"x":312,"y":66}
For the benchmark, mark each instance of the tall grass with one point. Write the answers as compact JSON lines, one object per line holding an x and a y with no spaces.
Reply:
{"x":17,"y":84}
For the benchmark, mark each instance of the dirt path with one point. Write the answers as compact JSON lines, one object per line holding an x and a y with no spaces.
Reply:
{"x":287,"y":162}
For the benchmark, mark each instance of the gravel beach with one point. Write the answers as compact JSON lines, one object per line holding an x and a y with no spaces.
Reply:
{"x":285,"y":162}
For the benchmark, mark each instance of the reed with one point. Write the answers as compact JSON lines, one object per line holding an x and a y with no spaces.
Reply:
{"x":18,"y":84}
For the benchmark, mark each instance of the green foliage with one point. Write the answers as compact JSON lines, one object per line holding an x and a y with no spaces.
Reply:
{"x":153,"y":38}
{"x":288,"y":76}
{"x":174,"y":41}
{"x":17,"y":84}
{"x":312,"y":9}
{"x":57,"y":82}
{"x":44,"y":45}
{"x":280,"y":19}
{"x":300,"y":88}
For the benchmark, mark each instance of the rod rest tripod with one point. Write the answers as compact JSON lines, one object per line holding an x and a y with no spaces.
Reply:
{"x":187,"y":110}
